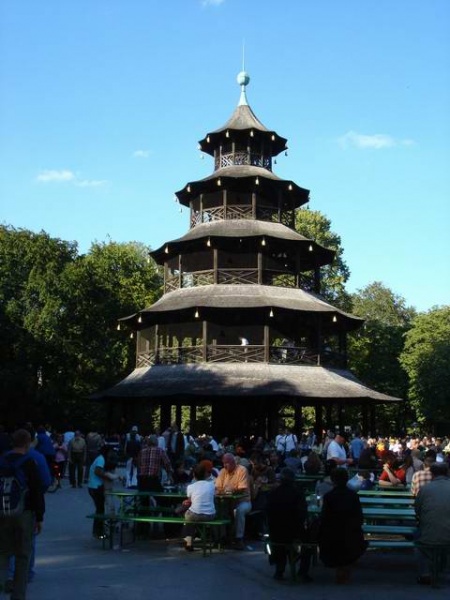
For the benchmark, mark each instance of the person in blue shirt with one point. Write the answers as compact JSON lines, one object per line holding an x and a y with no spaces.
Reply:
{"x":356,"y":447}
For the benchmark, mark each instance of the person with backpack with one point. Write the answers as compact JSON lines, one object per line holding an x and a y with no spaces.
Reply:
{"x":22,"y":509}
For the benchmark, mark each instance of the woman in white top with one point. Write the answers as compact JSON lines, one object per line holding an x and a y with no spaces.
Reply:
{"x":201,"y":503}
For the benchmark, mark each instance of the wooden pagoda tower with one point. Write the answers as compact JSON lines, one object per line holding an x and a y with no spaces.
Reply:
{"x":241,"y":325}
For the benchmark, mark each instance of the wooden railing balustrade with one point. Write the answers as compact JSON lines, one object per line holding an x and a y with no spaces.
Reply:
{"x":286,"y":355}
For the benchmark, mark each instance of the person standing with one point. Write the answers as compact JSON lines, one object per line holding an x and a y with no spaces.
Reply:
{"x":286,"y":516}
{"x":150,"y":462}
{"x":76,"y":455}
{"x":175,"y":444}
{"x":336,"y":451}
{"x":16,"y":532}
{"x":96,"y":488}
{"x":432,"y":510}
{"x":341,"y":538}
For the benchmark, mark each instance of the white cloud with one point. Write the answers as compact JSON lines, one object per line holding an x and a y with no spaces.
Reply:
{"x":212,"y":2}
{"x":376,"y":141}
{"x":53,"y":175}
{"x":141,"y":153}
{"x":67,"y":176}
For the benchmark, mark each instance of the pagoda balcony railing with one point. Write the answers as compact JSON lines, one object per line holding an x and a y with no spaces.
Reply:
{"x":231,"y":159}
{"x":230,"y":276}
{"x":286,"y":355}
{"x":241,"y":211}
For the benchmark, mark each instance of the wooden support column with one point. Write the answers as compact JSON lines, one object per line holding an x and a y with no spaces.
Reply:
{"x":166,"y":275}
{"x":341,"y":417}
{"x":280,"y":204}
{"x":318,"y":426}
{"x":201,"y":208}
{"x":156,"y":343}
{"x":317,"y":280}
{"x":298,"y":418}
{"x":216,"y":265}
{"x":225,"y":203}
{"x":180,"y":274}
{"x":193,"y":419}
{"x":178,"y":415}
{"x":372,"y":420}
{"x":329,"y":417}
{"x":254,"y":205}
{"x":166,"y":414}
{"x":205,"y":340}
{"x":319,"y":339}
{"x":260,"y":268}
{"x":365,"y":419}
{"x":266,"y":344}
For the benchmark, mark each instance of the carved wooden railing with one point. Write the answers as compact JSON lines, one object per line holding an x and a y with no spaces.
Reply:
{"x":286,"y":355}
{"x":241,"y":211}
{"x":230,"y":159}
{"x":231,"y":276}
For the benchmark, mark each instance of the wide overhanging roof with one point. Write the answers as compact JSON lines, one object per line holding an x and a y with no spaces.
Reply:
{"x":252,"y":302}
{"x":238,"y":177}
{"x":275,"y":234}
{"x":239,"y":380}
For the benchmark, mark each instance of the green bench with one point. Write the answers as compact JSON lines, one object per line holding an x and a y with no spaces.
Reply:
{"x":204,"y":527}
{"x":381,"y":531}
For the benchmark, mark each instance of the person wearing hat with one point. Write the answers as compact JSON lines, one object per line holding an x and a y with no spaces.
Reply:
{"x":286,"y":517}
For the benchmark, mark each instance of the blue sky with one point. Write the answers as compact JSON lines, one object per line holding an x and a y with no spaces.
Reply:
{"x":102,"y":103}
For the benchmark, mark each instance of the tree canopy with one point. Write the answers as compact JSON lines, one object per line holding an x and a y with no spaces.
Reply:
{"x":58,"y":316}
{"x":316,"y":226}
{"x":426,"y":359}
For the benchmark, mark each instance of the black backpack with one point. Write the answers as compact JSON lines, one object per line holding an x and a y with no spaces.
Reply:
{"x":13,"y":486}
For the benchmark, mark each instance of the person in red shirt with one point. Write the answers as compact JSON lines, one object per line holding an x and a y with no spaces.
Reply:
{"x":393,"y":475}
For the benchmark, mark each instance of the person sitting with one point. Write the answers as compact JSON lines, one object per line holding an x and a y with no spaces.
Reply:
{"x":326,"y":484}
{"x":293,"y":461}
{"x":423,"y":477}
{"x":286,"y":517}
{"x":341,"y":538}
{"x":312,"y":465}
{"x":231,"y":479}
{"x":200,"y":502}
{"x":393,"y":475}
{"x":368,"y":460}
{"x":361,"y":481}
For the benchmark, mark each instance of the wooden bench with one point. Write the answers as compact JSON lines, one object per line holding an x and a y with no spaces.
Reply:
{"x":383,"y":533}
{"x":204,"y":527}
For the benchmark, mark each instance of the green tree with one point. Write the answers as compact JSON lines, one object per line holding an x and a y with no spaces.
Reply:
{"x":58,"y":317}
{"x":375,"y":348}
{"x":30,"y":268}
{"x":314,"y":225}
{"x":112,"y":280}
{"x":426,"y":359}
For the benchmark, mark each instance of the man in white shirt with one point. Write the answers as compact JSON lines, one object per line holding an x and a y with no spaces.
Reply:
{"x":336,"y":451}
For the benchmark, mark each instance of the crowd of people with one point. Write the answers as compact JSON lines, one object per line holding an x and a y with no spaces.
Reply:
{"x":260,"y":472}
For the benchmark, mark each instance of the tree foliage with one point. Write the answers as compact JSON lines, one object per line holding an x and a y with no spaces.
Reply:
{"x":374,"y":349}
{"x":426,"y":359}
{"x":314,"y":225}
{"x":58,"y":316}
